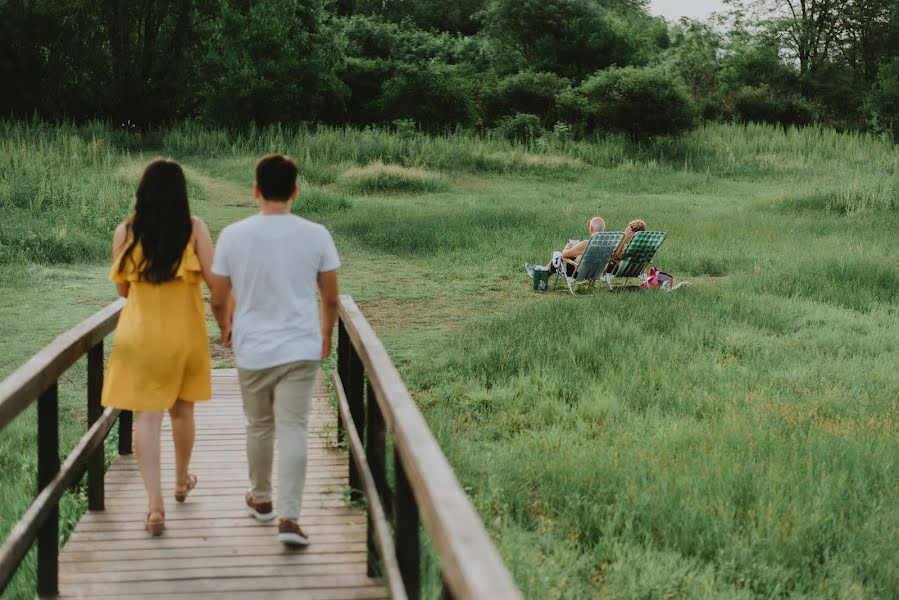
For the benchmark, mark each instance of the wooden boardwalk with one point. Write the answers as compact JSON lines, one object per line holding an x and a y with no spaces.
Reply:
{"x":211,"y":548}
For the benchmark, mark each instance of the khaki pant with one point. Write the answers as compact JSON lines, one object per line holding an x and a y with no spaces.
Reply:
{"x":276,"y":403}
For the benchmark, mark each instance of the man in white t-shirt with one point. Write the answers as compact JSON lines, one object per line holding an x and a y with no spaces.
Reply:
{"x":275,"y":263}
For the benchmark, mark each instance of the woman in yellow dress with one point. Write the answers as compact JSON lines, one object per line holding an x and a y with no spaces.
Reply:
{"x":160,"y":356}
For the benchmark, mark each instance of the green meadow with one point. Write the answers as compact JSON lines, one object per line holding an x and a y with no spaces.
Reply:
{"x":737,"y":438}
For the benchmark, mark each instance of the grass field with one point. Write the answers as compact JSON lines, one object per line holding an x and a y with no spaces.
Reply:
{"x":736,"y":439}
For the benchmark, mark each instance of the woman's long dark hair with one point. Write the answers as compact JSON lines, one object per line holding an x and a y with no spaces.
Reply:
{"x":161,"y":221}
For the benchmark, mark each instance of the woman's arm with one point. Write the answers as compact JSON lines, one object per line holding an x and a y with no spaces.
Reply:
{"x":204,"y":249}
{"x":119,"y":240}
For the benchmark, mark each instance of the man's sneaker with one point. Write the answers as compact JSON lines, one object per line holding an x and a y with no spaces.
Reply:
{"x":261,"y":510}
{"x":290,"y":534}
{"x":530,"y":269}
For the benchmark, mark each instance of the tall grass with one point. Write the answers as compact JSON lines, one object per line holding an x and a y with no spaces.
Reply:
{"x":735,"y":439}
{"x":59,"y":194}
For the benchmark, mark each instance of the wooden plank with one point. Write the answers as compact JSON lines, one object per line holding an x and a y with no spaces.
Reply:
{"x":271,"y":549}
{"x":216,"y":562}
{"x":310,"y":582}
{"x":472,"y":567}
{"x":175,"y":572}
{"x":355,"y":593}
{"x":26,"y":383}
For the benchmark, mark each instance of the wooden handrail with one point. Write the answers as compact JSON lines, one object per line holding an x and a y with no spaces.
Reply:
{"x":472,"y":567}
{"x":37,"y":380}
{"x":32,"y":379}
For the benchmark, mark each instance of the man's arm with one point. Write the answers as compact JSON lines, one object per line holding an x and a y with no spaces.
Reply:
{"x":327,"y":290}
{"x":222,"y":306}
{"x":576,"y":250}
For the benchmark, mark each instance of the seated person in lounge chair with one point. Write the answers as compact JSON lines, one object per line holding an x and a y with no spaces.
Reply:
{"x":573,"y":250}
{"x":632,"y":228}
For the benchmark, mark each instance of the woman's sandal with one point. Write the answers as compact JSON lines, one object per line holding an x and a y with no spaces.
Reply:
{"x":191,"y":484}
{"x":154,"y":528}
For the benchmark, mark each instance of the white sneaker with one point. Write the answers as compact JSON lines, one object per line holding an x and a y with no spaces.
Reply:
{"x":530,"y":269}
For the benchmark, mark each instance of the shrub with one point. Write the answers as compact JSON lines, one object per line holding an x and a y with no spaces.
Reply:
{"x":638,"y":101}
{"x":883,"y":99}
{"x":434,"y":95}
{"x":762,"y":105}
{"x":526,"y":92}
{"x":522,"y":127}
{"x":378,"y":178}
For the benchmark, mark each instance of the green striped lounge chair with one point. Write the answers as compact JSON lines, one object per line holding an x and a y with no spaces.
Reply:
{"x":595,"y":259}
{"x":637,"y":256}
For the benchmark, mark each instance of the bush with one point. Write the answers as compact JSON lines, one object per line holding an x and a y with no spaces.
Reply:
{"x":522,"y":127}
{"x":526,"y":92}
{"x":883,"y":99}
{"x":762,"y":105}
{"x":640,"y":102}
{"x":434,"y":95}
{"x":377,"y":178}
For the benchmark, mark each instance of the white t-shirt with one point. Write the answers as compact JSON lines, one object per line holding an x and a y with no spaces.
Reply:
{"x":273,"y":262}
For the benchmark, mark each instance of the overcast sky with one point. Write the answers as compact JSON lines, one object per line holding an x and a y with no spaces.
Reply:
{"x":675,"y":9}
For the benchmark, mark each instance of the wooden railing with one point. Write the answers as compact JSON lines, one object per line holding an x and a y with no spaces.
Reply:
{"x":372,"y":399}
{"x":37,"y":379}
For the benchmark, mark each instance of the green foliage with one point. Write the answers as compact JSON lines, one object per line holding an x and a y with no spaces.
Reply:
{"x":453,"y":17}
{"x":59,"y":194}
{"x":639,"y":101}
{"x":521,"y":127}
{"x":436,"y":96}
{"x":315,"y":202}
{"x":569,"y":37}
{"x":526,"y":92}
{"x":762,"y":105}
{"x":883,"y":100}
{"x":270,"y":62}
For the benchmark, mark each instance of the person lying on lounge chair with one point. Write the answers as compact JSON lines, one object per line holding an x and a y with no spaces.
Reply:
{"x":632,"y":228}
{"x":573,"y":250}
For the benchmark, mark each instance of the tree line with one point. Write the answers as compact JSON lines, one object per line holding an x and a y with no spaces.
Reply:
{"x":523,"y":67}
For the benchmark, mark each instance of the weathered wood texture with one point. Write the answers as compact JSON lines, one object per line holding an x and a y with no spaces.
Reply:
{"x":211,"y":548}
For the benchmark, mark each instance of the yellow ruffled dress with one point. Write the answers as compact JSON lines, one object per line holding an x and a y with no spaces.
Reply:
{"x":161,"y":347}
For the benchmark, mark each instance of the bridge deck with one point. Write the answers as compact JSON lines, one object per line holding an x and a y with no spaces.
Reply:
{"x":211,"y":548}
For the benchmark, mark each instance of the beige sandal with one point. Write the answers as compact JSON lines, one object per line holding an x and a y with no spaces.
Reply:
{"x":191,"y":484}
{"x":154,"y":528}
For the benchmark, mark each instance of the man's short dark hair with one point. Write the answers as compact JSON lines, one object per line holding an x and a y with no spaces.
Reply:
{"x":276,"y":176}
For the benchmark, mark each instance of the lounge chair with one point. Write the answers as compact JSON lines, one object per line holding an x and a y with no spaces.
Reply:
{"x":594,"y":260}
{"x":637,"y":256}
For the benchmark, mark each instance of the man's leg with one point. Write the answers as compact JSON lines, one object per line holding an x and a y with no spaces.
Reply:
{"x":293,"y":397}
{"x":256,"y":389}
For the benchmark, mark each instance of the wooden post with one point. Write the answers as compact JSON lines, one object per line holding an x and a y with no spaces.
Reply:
{"x":125,"y":419}
{"x":343,"y":351}
{"x":405,"y":526}
{"x":95,"y":488}
{"x":47,"y":468}
{"x":374,"y":452}
{"x":354,"y":385}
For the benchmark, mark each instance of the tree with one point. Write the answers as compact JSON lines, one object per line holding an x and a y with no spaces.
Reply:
{"x":571,"y":38}
{"x":268,"y":62}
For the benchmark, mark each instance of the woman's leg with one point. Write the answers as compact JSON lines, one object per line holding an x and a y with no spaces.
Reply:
{"x":146,"y":443}
{"x":182,"y":414}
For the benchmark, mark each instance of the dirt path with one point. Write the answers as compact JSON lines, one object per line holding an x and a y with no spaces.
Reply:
{"x":221,"y":203}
